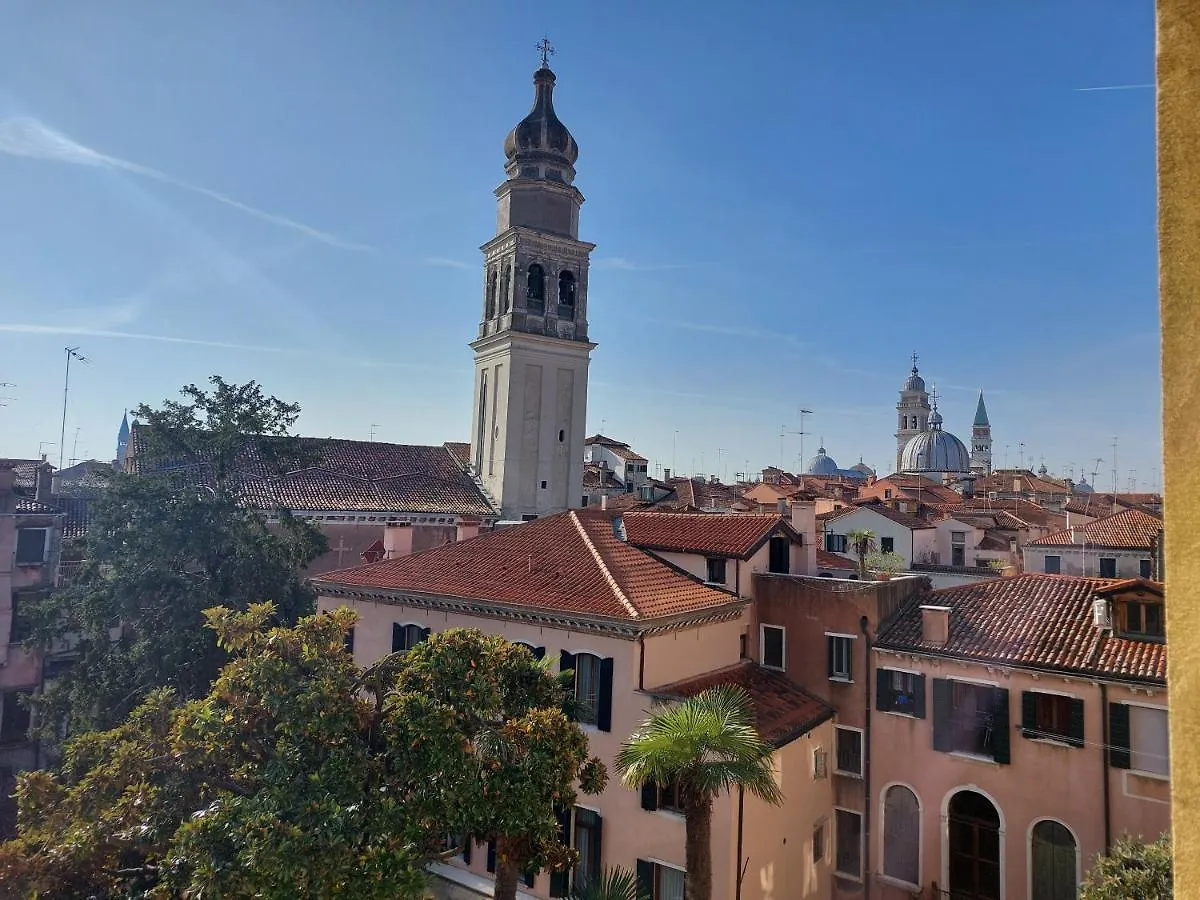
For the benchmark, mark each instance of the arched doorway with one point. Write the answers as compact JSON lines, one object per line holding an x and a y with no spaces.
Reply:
{"x":974,"y":832}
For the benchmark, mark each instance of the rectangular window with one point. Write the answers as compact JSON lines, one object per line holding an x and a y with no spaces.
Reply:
{"x":405,"y":637}
{"x":772,"y":637}
{"x":668,"y":798}
{"x":1140,"y":619}
{"x":593,"y":687}
{"x":848,"y":833}
{"x":1144,"y":569}
{"x":849,"y":750}
{"x":887,"y":545}
{"x":779,"y":556}
{"x":32,"y":544}
{"x":1149,"y":746}
{"x":586,"y":839}
{"x":835,"y":543}
{"x":14,"y":719}
{"x":970,"y":718}
{"x":1053,"y":565}
{"x":1108,"y":567}
{"x":887,"y":493}
{"x":716,"y":571}
{"x":818,"y":842}
{"x":900,"y":692}
{"x":658,"y":881}
{"x":840,"y":657}
{"x":1052,"y":717}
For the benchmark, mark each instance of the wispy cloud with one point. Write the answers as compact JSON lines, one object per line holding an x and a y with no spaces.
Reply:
{"x":28,"y":137}
{"x":1116,"y":87}
{"x":445,"y":262}
{"x":736,"y":331}
{"x":621,"y":264}
{"x":84,"y":331}
{"x":103,"y":318}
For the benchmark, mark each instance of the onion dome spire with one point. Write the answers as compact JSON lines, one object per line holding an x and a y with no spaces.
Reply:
{"x":540,"y":146}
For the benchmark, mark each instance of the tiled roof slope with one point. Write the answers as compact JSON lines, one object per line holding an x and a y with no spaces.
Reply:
{"x":24,"y":473}
{"x":349,"y":476}
{"x":618,"y":448}
{"x":713,"y":534}
{"x":1098,"y":505}
{"x":596,"y":478}
{"x":698,"y":493}
{"x":915,"y":486}
{"x":782,"y":709}
{"x":460,"y":450}
{"x":1024,"y":482}
{"x":572,"y":562}
{"x":827,"y":560}
{"x":1022,"y":509}
{"x":1038,"y":621}
{"x":900,"y":518}
{"x":1129,"y":529}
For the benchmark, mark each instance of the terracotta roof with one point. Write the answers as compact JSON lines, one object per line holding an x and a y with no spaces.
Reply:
{"x":345,"y":476}
{"x":988,"y":519}
{"x":915,"y":487}
{"x":1002,"y":481}
{"x":900,"y":518}
{"x":618,"y":448}
{"x":460,"y":450}
{"x":1129,"y":529}
{"x":572,"y":563}
{"x":701,"y":494}
{"x":1098,"y":505}
{"x":1024,"y":510}
{"x":1038,"y":621}
{"x":597,"y":478}
{"x":783,"y":710}
{"x":827,"y":560}
{"x":991,"y":541}
{"x":712,"y":534}
{"x":24,"y":473}
{"x":29,"y":506}
{"x":77,"y":515}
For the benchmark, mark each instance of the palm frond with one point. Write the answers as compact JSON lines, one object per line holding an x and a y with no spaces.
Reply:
{"x":613,"y":884}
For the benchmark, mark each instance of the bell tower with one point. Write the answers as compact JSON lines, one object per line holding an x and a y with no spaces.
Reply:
{"x":532,"y":352}
{"x":981,"y":440}
{"x":912,"y":412}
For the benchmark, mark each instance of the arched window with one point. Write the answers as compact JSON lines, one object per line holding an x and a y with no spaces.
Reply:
{"x":1055,"y":862}
{"x":490,"y":308}
{"x":974,"y":826}
{"x":506,"y":289}
{"x":479,"y":433}
{"x":902,"y":835}
{"x":566,"y":288}
{"x":536,"y":284}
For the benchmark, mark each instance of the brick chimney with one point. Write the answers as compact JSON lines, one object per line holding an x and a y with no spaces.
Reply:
{"x":45,"y":482}
{"x":935,"y":625}
{"x":397,"y":540}
{"x":467,"y":529}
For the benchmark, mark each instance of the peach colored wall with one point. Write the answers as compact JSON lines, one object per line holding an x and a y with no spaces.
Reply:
{"x":1043,"y":780}
{"x":675,"y":655}
{"x":357,"y":537}
{"x":739,"y":573}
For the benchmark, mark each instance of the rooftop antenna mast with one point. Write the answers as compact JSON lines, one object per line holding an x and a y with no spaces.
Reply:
{"x":803,"y":412}
{"x":72,"y":353}
{"x":374,"y":425}
{"x":75,"y":448}
{"x":1114,"y":465}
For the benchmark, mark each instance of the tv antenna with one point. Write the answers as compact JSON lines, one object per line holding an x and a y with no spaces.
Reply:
{"x":72,"y":353}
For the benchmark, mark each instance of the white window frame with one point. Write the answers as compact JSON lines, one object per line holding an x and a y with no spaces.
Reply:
{"x":1143,"y":772}
{"x":837,"y":770}
{"x":762,"y":647}
{"x":862,"y":853}
{"x":45,"y":546}
{"x":849,"y":677}
{"x":659,"y":864}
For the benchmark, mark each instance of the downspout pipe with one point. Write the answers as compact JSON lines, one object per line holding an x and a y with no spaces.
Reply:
{"x":641,"y":640}
{"x":1104,"y":767}
{"x":864,"y":624}
{"x":741,"y":869}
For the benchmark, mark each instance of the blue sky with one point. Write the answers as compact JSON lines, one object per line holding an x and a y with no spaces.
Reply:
{"x":785,"y":204}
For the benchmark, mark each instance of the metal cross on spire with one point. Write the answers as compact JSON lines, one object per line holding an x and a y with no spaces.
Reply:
{"x":914,"y":359}
{"x":547,"y":50}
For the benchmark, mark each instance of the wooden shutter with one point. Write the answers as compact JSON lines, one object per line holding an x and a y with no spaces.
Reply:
{"x":425,"y":632}
{"x":558,"y":878}
{"x":885,"y":699}
{"x":491,"y":856}
{"x":645,"y":877}
{"x":942,"y":700}
{"x":598,"y":844}
{"x":466,"y":849}
{"x":1029,"y":714}
{"x":604,"y":696}
{"x":539,"y":652}
{"x":919,"y":696}
{"x":650,"y":796}
{"x":1001,"y":736}
{"x":1075,"y":723}
{"x":1118,"y":736}
{"x":397,"y":637}
{"x":350,"y":641}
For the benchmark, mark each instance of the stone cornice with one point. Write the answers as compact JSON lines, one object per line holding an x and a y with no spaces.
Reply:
{"x":495,"y":342}
{"x":563,"y":243}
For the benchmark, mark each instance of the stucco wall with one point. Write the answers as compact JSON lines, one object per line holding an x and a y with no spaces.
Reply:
{"x":1078,"y":561}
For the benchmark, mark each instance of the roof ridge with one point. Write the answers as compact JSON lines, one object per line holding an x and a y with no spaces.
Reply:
{"x":608,"y":575}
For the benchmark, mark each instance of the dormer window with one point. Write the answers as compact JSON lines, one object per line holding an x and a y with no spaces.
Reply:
{"x":1141,"y":618}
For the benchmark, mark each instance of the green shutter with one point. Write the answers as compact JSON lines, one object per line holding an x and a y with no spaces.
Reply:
{"x":566,"y":663}
{"x":466,"y":849}
{"x":1075,"y":723}
{"x":650,"y":796}
{"x":559,"y":879}
{"x":539,"y":652}
{"x":604,"y":696}
{"x":919,"y":696}
{"x":942,"y":699}
{"x":598,"y":844}
{"x":1001,"y":737}
{"x":491,"y":855}
{"x":1029,"y":703}
{"x":829,"y":653}
{"x":350,"y":641}
{"x":884,"y":698}
{"x":1118,"y":736}
{"x":645,"y":877}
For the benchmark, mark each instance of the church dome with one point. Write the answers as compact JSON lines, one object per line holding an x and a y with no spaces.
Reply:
{"x":821,"y":464}
{"x":540,"y":144}
{"x":935,"y":451}
{"x":1083,"y":487}
{"x":915,"y":382}
{"x":862,"y":468}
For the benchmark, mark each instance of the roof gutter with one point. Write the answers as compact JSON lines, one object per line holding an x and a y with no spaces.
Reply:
{"x":1009,"y":664}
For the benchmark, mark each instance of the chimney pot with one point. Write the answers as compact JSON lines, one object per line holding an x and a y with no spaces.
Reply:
{"x":935,"y":625}
{"x":45,"y":482}
{"x":397,"y":540}
{"x":783,"y":507}
{"x":604,"y":501}
{"x":666,"y":474}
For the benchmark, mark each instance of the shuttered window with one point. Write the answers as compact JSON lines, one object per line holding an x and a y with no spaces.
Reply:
{"x":405,"y":637}
{"x":970,"y":718}
{"x":900,"y":692}
{"x":1054,"y":717}
{"x":593,"y":687}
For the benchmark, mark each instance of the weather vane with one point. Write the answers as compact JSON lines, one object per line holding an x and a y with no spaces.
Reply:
{"x":914,"y":358}
{"x":547,"y":50}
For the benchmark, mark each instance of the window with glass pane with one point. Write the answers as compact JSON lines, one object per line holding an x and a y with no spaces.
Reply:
{"x":587,"y":686}
{"x":1149,"y":745}
{"x":973,"y":717}
{"x":587,"y":842}
{"x":668,"y":883}
{"x":772,"y":646}
{"x":848,"y":833}
{"x":849,"y":750}
{"x":1053,"y":565}
{"x":1055,"y":865}
{"x":901,"y":835}
{"x":405,"y":637}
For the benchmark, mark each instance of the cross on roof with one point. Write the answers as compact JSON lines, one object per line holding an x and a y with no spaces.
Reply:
{"x":547,"y":50}
{"x":914,"y":359}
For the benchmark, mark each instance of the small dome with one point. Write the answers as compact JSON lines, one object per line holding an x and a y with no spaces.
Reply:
{"x":862,"y":468}
{"x":1083,"y":487}
{"x":540,"y":138}
{"x":915,"y":382}
{"x":821,"y":464}
{"x":935,"y":451}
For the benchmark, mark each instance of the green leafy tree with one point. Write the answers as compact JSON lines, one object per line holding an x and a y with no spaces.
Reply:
{"x":861,"y":543}
{"x":706,"y":745}
{"x":520,"y":754}
{"x":1131,"y":869}
{"x":161,"y":548}
{"x":613,"y":884}
{"x":886,"y":563}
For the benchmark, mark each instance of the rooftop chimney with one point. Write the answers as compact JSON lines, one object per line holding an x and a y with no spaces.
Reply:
{"x":397,"y":540}
{"x":666,"y":474}
{"x":935,"y":625}
{"x":45,"y":482}
{"x":783,"y":506}
{"x":467,"y":529}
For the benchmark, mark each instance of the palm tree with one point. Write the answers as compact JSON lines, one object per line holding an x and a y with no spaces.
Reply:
{"x":613,"y":884}
{"x":861,"y":542}
{"x":705,"y":745}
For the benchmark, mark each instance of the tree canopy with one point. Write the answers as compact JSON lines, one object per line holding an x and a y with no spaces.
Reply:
{"x":1131,"y":869}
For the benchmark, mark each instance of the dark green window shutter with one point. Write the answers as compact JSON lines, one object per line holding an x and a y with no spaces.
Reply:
{"x":829,"y":654}
{"x":1118,"y":736}
{"x":350,"y":641}
{"x":884,"y":699}
{"x":558,"y":884}
{"x":650,"y":796}
{"x":397,"y":637}
{"x":598,"y":844}
{"x":539,"y":652}
{"x":425,"y":632}
{"x":466,"y":849}
{"x":1029,"y":714}
{"x":942,"y":699}
{"x":491,"y":859}
{"x":604,"y":696}
{"x":1001,"y":736}
{"x":919,"y":697}
{"x":559,"y":879}
{"x":566,"y":662}
{"x":645,"y":876}
{"x":1075,"y":723}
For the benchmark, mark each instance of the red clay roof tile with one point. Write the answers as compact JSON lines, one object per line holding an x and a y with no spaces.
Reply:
{"x":713,"y":534}
{"x":1129,"y":529}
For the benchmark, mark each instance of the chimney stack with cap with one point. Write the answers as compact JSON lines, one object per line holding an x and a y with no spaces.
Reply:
{"x":935,"y":625}
{"x":45,"y":482}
